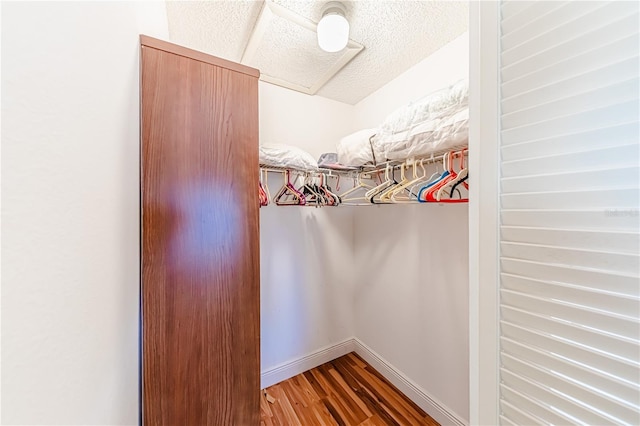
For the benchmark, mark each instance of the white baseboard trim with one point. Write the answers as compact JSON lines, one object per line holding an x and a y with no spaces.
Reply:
{"x":441,"y":413}
{"x":292,"y":368}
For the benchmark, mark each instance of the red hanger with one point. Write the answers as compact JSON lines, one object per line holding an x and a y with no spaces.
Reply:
{"x":262,"y":194}
{"x":465,"y":184}
{"x":430,"y":195}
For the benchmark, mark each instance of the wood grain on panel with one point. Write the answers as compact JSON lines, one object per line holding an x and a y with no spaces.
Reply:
{"x":147,"y":41}
{"x":200,"y":243}
{"x":346,"y":392}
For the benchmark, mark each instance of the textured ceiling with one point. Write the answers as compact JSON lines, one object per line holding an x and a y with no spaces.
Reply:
{"x":396,"y":35}
{"x":302,"y":65}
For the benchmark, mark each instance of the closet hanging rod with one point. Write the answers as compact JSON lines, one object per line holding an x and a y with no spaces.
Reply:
{"x":395,"y":164}
{"x":431,"y":158}
{"x":319,"y":171}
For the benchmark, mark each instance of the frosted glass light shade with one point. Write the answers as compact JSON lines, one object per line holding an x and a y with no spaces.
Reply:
{"x":333,"y":32}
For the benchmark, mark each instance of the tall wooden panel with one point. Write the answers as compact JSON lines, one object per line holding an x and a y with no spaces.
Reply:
{"x":200,"y":241}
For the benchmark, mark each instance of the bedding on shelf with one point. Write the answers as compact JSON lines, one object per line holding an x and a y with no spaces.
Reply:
{"x":436,"y":123}
{"x":355,"y":149}
{"x":286,"y":156}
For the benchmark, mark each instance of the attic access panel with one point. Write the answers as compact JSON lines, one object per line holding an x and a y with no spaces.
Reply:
{"x":283,"y":47}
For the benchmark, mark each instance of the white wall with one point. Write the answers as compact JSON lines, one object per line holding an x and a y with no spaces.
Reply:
{"x":312,"y":123}
{"x":443,"y":67}
{"x":411,"y":300}
{"x":70,"y":210}
{"x":306,"y":253}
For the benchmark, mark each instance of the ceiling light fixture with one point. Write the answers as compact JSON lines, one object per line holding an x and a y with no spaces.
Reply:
{"x":333,"y":28}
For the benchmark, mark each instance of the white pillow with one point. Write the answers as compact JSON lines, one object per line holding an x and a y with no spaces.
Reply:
{"x":355,"y":149}
{"x":287,"y":156}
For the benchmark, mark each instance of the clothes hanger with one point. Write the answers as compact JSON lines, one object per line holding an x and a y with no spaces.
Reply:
{"x":389,"y":181}
{"x":385,"y":196}
{"x":336,"y":198}
{"x":431,"y":193}
{"x":456,"y":189}
{"x":266,"y":186}
{"x":449,"y":188}
{"x":288,"y":195}
{"x":415,"y":187}
{"x":460,"y":175}
{"x":263,"y":192}
{"x":264,"y":201}
{"x":437,"y":179}
{"x":311,"y":194}
{"x":325,"y":193}
{"x":358,"y":185}
{"x":403,"y":192}
{"x":463,"y":182}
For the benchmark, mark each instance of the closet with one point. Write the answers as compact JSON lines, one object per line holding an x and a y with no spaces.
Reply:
{"x":142,"y":282}
{"x":200,"y":246}
{"x":512,"y":301}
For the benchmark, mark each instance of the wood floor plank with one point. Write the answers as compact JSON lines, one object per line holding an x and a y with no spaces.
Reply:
{"x":265,"y":409}
{"x":375,"y":406}
{"x":311,"y":378}
{"x":295,"y":394}
{"x":391,"y":398}
{"x":430,"y":421}
{"x":344,"y":392}
{"x":278,"y":419}
{"x":404,"y":405}
{"x":383,"y":379}
{"x":301,"y":405}
{"x":374,"y":421}
{"x":391,"y":404}
{"x":321,"y":413}
{"x":379,"y":395}
{"x":352,"y":396}
{"x":336,"y":414}
{"x":356,"y":359}
{"x":307,"y":388}
{"x":353,"y":413}
{"x":343,"y":366}
{"x":290,"y":416}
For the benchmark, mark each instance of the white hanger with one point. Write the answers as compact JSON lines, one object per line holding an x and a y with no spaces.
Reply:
{"x":415,"y":189}
{"x":385,"y":197}
{"x":389,"y":180}
{"x":358,"y":185}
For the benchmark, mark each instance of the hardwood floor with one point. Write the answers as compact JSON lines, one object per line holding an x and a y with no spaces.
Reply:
{"x":345,"y":392}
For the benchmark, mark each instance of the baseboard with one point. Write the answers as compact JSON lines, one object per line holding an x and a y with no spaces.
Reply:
{"x":432,"y":406}
{"x":292,"y":368}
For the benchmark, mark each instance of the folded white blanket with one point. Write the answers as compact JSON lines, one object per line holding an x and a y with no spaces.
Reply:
{"x":436,"y":122}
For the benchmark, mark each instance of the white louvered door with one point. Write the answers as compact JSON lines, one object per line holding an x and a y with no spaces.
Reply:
{"x":569,"y":213}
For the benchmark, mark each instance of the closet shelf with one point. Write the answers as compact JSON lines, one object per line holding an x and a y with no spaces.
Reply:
{"x":371,"y":169}
{"x":404,"y":182}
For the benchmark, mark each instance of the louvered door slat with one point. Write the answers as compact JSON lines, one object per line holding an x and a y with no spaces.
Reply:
{"x":570,"y":213}
{"x":597,"y":179}
{"x":568,"y":143}
{"x":572,"y":66}
{"x":544,"y":54}
{"x":623,"y":70}
{"x":532,"y":29}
